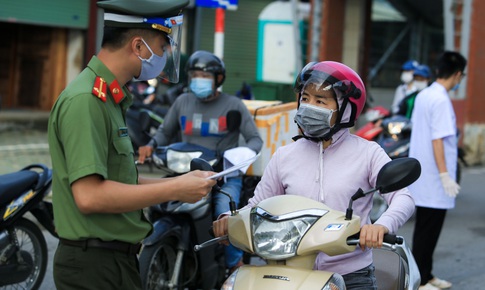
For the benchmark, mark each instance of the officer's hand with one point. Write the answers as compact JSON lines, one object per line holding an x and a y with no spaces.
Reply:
{"x":194,"y":186}
{"x":220,"y":228}
{"x":372,"y":236}
{"x":143,"y":153}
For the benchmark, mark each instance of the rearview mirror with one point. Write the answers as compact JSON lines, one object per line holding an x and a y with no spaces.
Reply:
{"x":200,"y":164}
{"x":397,"y":174}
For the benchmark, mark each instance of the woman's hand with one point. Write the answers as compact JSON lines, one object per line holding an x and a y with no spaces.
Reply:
{"x":220,"y":228}
{"x":372,"y":236}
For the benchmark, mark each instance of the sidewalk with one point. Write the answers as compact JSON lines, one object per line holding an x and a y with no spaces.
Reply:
{"x":25,"y":143}
{"x":23,"y":119}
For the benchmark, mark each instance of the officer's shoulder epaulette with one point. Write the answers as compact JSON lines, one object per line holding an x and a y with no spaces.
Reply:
{"x":99,"y":88}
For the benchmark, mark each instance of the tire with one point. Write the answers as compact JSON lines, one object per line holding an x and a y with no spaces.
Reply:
{"x":157,"y":263}
{"x":32,"y":243}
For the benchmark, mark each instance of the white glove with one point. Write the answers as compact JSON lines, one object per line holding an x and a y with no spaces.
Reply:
{"x":451,"y":187}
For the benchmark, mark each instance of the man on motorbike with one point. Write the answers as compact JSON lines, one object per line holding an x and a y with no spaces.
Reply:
{"x":201,"y":117}
{"x":422,"y":77}
{"x":327,"y":163}
{"x":407,"y":84}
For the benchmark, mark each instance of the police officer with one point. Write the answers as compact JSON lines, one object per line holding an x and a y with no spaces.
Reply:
{"x":98,"y":196}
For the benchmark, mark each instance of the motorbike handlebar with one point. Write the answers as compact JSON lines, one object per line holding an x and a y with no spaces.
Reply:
{"x":388,"y":239}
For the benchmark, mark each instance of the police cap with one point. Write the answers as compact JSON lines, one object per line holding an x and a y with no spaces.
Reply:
{"x":150,"y":14}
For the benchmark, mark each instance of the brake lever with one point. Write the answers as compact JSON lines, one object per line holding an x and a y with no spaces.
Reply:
{"x":210,"y":243}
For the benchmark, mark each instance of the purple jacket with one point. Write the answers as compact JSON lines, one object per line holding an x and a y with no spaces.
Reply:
{"x":332,"y":176}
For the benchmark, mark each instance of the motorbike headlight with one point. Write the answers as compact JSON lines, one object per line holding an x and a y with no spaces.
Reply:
{"x":278,"y":237}
{"x":400,"y":150}
{"x":179,"y":162}
{"x":229,"y":283}
{"x":335,"y":283}
{"x":395,"y":128}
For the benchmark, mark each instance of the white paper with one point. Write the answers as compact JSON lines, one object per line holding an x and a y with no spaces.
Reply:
{"x":235,"y":167}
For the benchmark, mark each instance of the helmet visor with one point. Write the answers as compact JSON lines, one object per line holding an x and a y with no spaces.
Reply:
{"x":171,"y":70}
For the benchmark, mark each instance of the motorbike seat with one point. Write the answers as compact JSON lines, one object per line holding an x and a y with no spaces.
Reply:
{"x":14,"y":184}
{"x":390,"y":269}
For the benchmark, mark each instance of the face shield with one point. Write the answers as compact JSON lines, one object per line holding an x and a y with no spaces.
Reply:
{"x":322,"y":81}
{"x":172,"y":27}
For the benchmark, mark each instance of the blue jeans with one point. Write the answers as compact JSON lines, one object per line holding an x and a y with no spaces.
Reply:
{"x":363,"y":279}
{"x":232,"y":186}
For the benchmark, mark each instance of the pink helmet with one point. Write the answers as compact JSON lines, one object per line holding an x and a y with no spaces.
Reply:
{"x":346,"y":83}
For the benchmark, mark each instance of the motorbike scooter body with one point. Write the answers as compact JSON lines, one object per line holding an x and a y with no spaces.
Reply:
{"x":23,"y":249}
{"x":328,"y":233}
{"x":289,"y":231}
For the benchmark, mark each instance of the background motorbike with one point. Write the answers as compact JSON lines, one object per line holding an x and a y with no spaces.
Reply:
{"x":23,"y":249}
{"x":149,"y":108}
{"x":167,"y":260}
{"x":289,"y":231}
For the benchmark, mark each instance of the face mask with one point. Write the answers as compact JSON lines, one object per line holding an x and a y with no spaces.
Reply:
{"x":420,"y":85}
{"x":407,"y":77}
{"x":313,"y":120}
{"x":456,"y":87}
{"x":152,"y":67}
{"x":201,"y":87}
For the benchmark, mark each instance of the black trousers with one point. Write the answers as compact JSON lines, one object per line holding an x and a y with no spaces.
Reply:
{"x":76,"y":268}
{"x":427,"y":229}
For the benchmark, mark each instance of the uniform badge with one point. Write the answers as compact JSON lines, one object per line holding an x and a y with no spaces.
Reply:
{"x":122,"y":132}
{"x":99,"y":88}
{"x":116,"y":91}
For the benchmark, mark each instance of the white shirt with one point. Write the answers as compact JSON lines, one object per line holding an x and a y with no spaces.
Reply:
{"x":401,"y":92}
{"x":433,"y":118}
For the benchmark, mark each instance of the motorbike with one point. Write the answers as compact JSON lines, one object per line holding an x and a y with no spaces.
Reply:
{"x":23,"y":248}
{"x":289,"y":231}
{"x":167,"y":260}
{"x":149,"y":108}
{"x":372,"y":129}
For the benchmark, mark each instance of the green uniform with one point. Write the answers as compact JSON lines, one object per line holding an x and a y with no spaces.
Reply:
{"x":88,"y":136}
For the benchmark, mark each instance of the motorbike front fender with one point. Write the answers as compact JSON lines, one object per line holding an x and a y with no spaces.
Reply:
{"x":162,"y":228}
{"x":280,"y":277}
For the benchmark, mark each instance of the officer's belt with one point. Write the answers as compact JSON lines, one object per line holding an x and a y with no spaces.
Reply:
{"x":119,"y":246}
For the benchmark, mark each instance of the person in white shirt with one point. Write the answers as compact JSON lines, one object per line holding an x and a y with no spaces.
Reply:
{"x":407,"y":85}
{"x":434,"y":144}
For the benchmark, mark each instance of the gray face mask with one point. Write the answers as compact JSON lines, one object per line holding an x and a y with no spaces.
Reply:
{"x":313,"y":120}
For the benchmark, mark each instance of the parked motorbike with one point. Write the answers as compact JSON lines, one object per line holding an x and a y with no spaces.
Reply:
{"x":289,"y":231}
{"x":23,"y":248}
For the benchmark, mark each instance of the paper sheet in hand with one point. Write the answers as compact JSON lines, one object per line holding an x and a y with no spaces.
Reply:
{"x":235,"y":167}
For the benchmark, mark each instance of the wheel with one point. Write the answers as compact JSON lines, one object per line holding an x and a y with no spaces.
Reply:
{"x":33,"y":249}
{"x":157,"y":263}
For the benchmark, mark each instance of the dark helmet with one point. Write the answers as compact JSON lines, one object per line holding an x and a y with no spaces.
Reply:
{"x":346,"y":84}
{"x":208,"y":62}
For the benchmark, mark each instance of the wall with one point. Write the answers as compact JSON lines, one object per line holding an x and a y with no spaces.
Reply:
{"x":474,"y":104}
